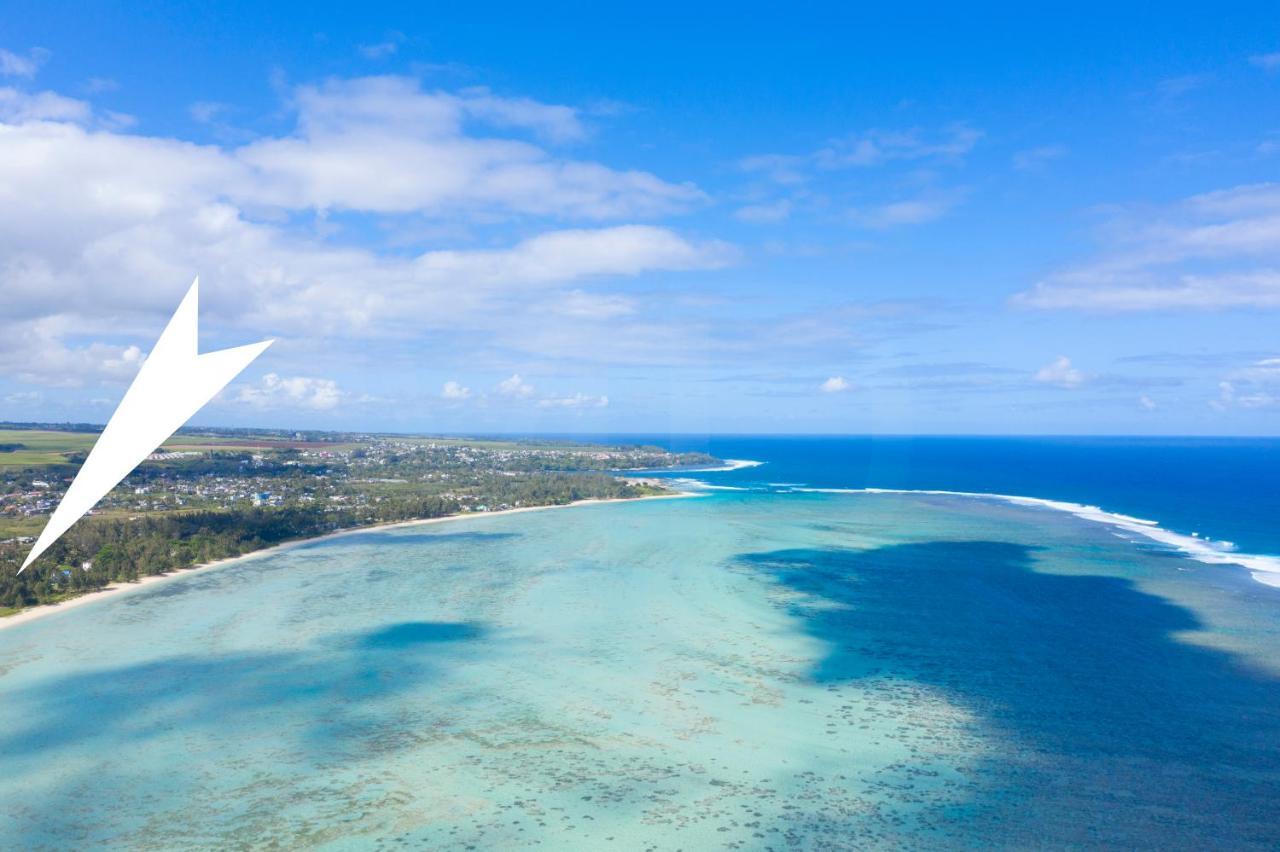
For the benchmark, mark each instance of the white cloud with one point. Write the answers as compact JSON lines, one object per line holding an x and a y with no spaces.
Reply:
{"x":1147,"y":403}
{"x":454,"y":390}
{"x":34,"y":353}
{"x":1254,"y":386}
{"x":1264,"y":370}
{"x":1229,"y":396}
{"x":13,"y":65}
{"x":206,"y":111}
{"x":594,"y":306}
{"x":573,"y":254}
{"x":17,"y":107}
{"x":515,"y":387}
{"x":1259,"y":399}
{"x":1060,"y":372}
{"x":578,"y":400}
{"x":1216,"y":251}
{"x":835,"y":384}
{"x":98,"y":226}
{"x":1185,"y":292}
{"x":1226,"y":396}
{"x":275,"y":391}
{"x":101,"y":229}
{"x":382,"y":49}
{"x":916,"y":152}
{"x":382,"y":144}
{"x":553,"y":122}
{"x":876,"y":147}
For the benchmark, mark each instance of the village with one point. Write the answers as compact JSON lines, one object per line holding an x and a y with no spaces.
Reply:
{"x":225,"y":472}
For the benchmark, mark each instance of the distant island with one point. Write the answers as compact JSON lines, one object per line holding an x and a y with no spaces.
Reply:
{"x":211,"y":494}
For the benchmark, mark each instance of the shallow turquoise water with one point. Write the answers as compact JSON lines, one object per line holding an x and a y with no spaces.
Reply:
{"x":741,"y":670}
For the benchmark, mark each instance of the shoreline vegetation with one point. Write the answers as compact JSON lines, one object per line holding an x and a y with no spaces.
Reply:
{"x":38,"y":611}
{"x":214,"y":494}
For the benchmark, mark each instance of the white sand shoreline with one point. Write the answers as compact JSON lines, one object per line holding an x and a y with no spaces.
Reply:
{"x":36,"y":612}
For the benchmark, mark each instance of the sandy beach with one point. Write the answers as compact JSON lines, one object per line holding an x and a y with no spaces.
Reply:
{"x":35,"y":612}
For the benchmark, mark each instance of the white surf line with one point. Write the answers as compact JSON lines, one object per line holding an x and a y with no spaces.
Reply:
{"x":729,"y":464}
{"x":699,"y":485}
{"x":1264,"y":569}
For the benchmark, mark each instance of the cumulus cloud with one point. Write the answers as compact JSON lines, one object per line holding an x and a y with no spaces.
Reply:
{"x":382,"y":144}
{"x":835,"y":384}
{"x":275,"y":391}
{"x":36,"y":354}
{"x":515,"y":387}
{"x":1060,"y":372}
{"x":1216,"y":251}
{"x":99,"y":226}
{"x":454,"y":390}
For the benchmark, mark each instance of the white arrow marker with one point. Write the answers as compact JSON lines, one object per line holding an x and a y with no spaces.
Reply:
{"x":174,"y":383}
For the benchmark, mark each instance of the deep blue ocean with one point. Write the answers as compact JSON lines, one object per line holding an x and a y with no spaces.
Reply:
{"x":1223,"y":488}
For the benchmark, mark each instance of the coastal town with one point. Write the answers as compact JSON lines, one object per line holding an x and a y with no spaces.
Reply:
{"x":214,"y":493}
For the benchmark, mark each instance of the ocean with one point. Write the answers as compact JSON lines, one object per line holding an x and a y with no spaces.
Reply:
{"x":786,"y":660}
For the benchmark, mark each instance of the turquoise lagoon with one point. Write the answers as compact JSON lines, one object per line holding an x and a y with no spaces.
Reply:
{"x":739,"y":670}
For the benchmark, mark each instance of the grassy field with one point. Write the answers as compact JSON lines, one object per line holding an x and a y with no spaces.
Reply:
{"x":17,"y":527}
{"x":41,"y":447}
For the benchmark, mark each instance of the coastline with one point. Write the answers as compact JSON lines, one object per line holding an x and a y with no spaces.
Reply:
{"x":729,"y":464}
{"x":36,"y":612}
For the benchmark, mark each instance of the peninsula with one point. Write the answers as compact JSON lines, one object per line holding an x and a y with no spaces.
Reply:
{"x":214,"y":494}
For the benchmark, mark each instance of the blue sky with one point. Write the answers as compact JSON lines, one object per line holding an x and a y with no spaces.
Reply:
{"x":733,"y":219}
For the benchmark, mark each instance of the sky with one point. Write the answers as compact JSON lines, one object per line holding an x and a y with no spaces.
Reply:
{"x":674,"y":218}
